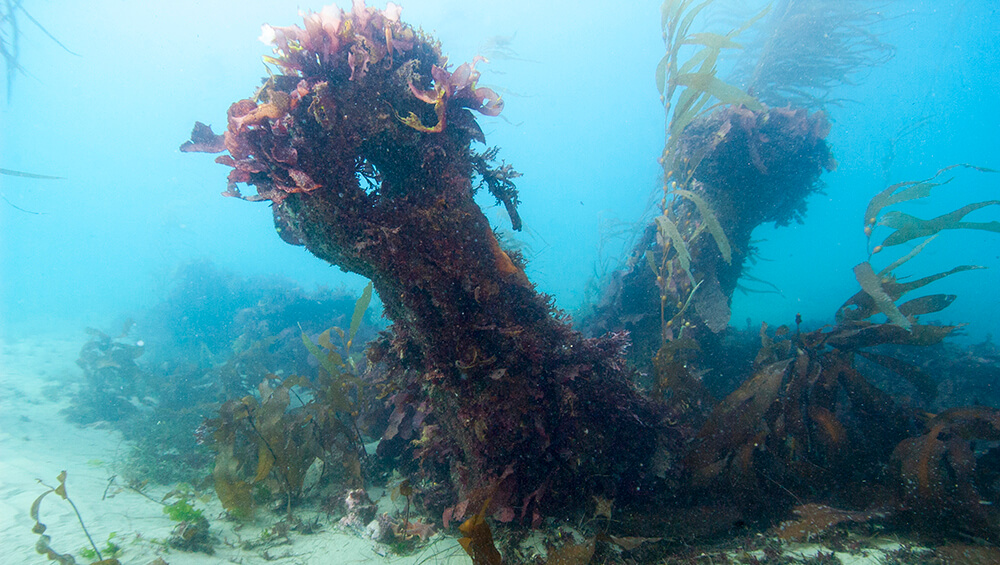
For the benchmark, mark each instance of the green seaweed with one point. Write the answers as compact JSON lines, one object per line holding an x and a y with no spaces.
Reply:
{"x":111,"y":549}
{"x":183,"y":511}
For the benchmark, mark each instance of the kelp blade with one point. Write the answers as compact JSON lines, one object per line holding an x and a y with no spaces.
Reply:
{"x":872,"y":285}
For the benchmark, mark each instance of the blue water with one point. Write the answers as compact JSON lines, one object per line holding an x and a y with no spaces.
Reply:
{"x":583,"y":123}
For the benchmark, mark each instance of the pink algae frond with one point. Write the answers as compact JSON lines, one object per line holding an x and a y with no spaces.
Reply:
{"x":330,"y":31}
{"x":458,"y":87}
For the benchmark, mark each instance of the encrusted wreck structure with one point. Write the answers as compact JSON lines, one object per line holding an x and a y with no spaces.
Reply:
{"x":364,"y":146}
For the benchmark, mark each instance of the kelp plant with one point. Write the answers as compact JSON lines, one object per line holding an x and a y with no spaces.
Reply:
{"x":810,"y":426}
{"x":265,"y":446}
{"x":362,"y":139}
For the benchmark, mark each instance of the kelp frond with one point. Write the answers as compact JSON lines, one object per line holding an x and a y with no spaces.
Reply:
{"x":42,"y":545}
{"x":872,"y":285}
{"x":902,"y":260}
{"x":711,"y":223}
{"x":910,"y":227}
{"x":908,"y":190}
{"x":864,"y":304}
{"x":696,"y":76}
{"x":667,"y":232}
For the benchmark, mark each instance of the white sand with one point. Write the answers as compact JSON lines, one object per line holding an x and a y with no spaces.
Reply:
{"x":36,"y":377}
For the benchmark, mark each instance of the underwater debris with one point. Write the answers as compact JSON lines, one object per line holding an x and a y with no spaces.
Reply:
{"x":881,"y":291}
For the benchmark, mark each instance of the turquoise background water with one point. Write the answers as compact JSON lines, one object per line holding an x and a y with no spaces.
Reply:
{"x":583,"y":122}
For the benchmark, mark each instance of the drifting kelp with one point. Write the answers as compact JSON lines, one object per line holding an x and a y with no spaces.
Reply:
{"x":43,"y":547}
{"x":872,"y":285}
{"x":10,"y":39}
{"x":909,"y":227}
{"x":881,"y":291}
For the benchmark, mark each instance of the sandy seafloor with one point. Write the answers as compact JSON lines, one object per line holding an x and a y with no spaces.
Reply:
{"x":37,"y":377}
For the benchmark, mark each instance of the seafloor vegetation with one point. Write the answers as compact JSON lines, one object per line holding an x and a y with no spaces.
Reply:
{"x":648,"y":427}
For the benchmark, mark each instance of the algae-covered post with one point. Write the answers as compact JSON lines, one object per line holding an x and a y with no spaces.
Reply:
{"x":730,"y":164}
{"x":362,"y":141}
